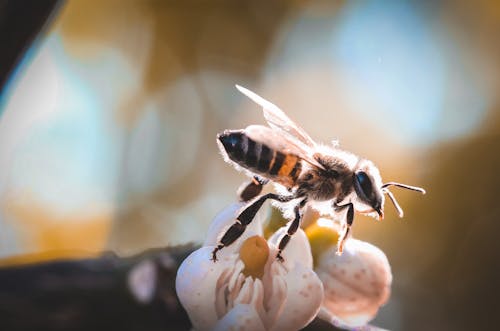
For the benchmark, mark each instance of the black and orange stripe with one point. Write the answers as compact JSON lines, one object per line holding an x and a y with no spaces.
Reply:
{"x":260,"y":158}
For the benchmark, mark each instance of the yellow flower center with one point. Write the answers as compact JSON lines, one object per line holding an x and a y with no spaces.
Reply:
{"x":254,"y":253}
{"x":321,"y":237}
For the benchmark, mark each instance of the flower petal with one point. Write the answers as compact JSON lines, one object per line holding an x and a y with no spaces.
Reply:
{"x":241,"y":317}
{"x":304,"y":295}
{"x":297,"y":250}
{"x":356,"y":283}
{"x":196,"y":285}
{"x":222,"y":220}
{"x":225,"y":219}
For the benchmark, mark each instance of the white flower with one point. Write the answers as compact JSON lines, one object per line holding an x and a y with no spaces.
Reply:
{"x":248,"y":288}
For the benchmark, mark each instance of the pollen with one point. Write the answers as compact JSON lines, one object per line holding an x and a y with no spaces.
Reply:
{"x":254,"y":253}
{"x":321,"y":238}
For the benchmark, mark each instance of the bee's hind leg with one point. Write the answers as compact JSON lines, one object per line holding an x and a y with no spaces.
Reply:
{"x":347,"y":228}
{"x":245,"y":218}
{"x":233,"y":233}
{"x":251,"y":189}
{"x":292,"y":228}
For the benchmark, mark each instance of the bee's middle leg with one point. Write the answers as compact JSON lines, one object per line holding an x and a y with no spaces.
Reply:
{"x":292,"y":228}
{"x":245,"y":218}
{"x":347,"y":229}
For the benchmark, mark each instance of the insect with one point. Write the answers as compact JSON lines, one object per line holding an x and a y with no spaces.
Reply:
{"x":285,"y":154}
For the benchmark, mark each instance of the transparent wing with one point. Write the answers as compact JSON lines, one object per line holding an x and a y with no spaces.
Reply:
{"x":278,"y":120}
{"x":283,"y":143}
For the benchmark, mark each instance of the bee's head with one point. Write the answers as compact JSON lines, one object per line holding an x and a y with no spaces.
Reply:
{"x":370,"y":190}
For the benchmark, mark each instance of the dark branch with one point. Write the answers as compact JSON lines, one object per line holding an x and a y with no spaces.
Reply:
{"x":95,"y":294}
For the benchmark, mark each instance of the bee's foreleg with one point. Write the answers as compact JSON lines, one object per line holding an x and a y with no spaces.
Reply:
{"x":251,"y":189}
{"x":347,"y":227}
{"x":245,"y":218}
{"x":292,"y":228}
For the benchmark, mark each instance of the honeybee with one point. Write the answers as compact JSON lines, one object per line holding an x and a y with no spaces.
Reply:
{"x":285,"y":154}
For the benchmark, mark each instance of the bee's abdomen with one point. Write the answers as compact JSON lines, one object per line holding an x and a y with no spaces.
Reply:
{"x":260,"y":158}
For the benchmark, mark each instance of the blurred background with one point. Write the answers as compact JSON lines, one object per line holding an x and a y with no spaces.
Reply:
{"x":107,"y":131}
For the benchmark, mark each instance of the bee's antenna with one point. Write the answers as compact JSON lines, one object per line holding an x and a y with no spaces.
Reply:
{"x":408,"y":187}
{"x":393,"y":198}
{"x":394,"y":201}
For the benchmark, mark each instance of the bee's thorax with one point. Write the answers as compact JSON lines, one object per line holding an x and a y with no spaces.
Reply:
{"x":333,"y":182}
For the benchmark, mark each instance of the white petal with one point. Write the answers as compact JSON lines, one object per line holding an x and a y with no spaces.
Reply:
{"x":241,"y":317}
{"x":225,"y":219}
{"x":356,"y":283}
{"x":142,"y":281}
{"x":196,"y":283}
{"x":304,"y":295}
{"x":297,"y":250}
{"x":222,"y":220}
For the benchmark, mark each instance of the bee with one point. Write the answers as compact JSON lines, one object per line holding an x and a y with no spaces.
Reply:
{"x":285,"y":154}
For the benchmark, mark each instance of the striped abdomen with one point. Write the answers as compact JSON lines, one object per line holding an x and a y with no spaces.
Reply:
{"x":259,"y":158}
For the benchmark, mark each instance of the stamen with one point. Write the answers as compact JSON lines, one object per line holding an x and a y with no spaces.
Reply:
{"x":254,"y":253}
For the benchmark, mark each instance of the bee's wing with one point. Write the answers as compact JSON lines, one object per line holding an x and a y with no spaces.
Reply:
{"x":281,"y":142}
{"x":278,"y":120}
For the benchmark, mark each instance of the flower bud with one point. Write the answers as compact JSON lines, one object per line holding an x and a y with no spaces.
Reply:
{"x":356,"y":283}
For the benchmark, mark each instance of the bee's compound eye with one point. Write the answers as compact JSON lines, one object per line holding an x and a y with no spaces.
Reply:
{"x":363,"y":185}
